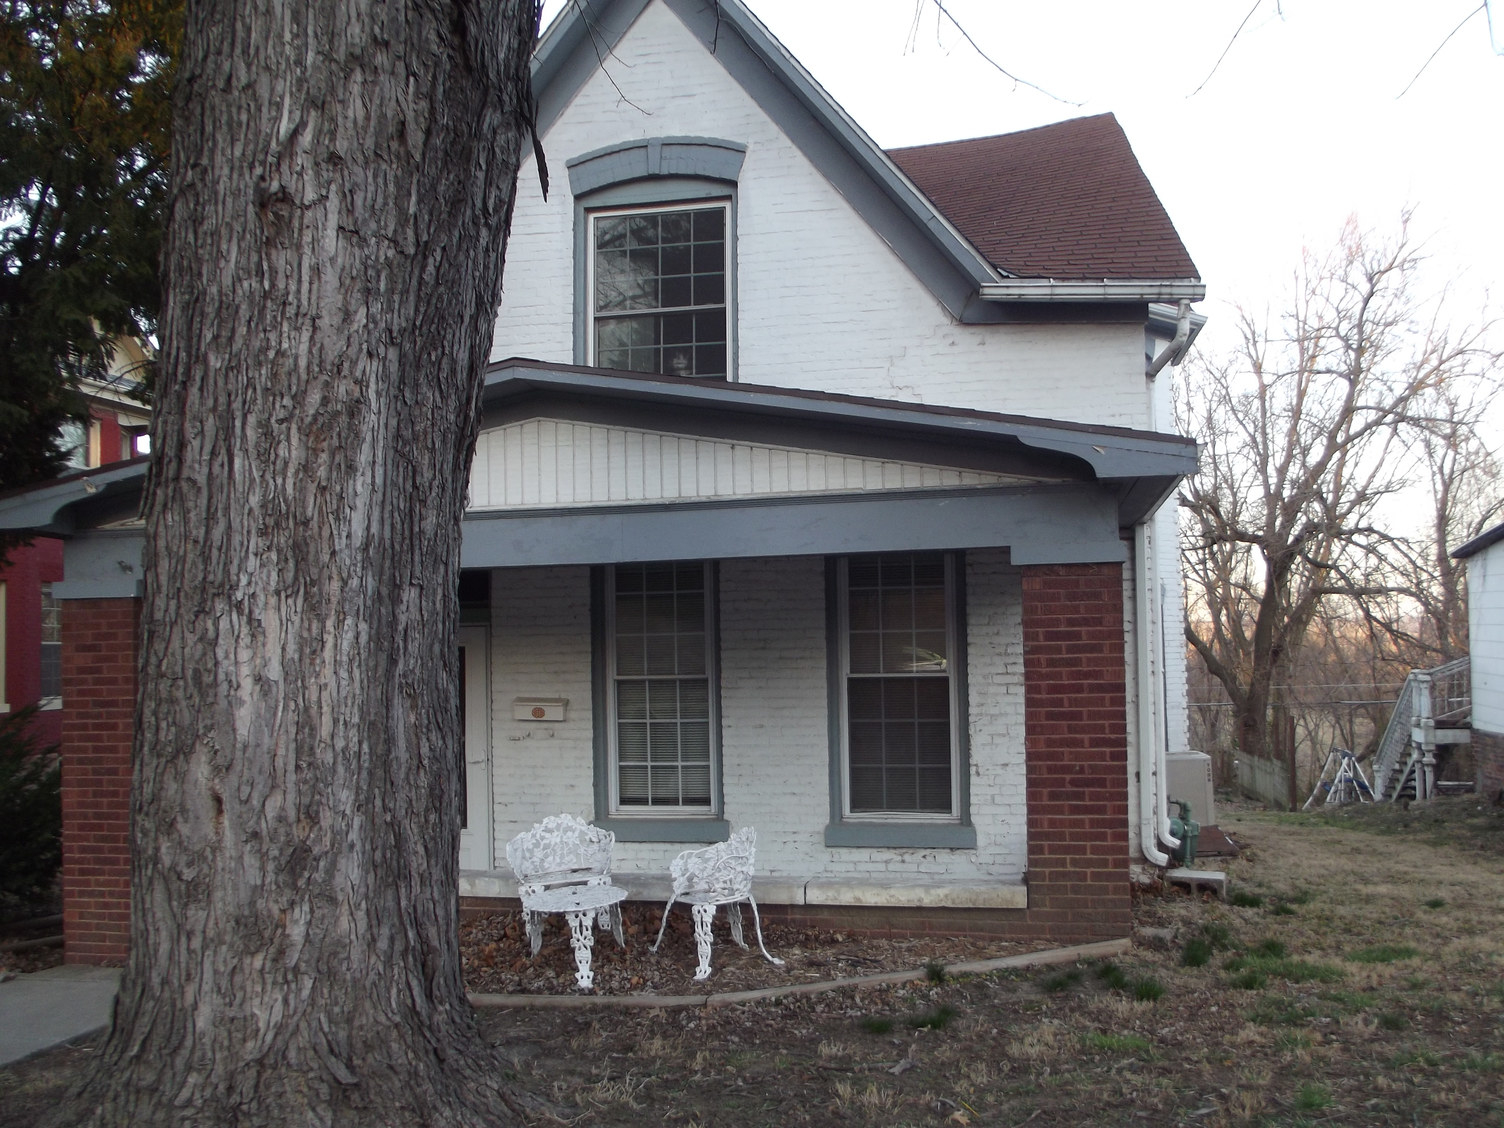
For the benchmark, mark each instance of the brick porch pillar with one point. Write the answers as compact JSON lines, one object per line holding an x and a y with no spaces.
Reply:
{"x":99,"y":695}
{"x":1076,"y":749}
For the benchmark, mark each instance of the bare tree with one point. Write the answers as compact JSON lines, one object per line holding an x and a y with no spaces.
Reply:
{"x":1307,"y":433}
{"x":343,"y":176}
{"x":1461,"y":476}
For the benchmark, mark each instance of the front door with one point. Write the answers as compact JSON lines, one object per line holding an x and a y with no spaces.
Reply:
{"x":475,"y":714}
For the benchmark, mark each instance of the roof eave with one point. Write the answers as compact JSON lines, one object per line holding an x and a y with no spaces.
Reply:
{"x":1106,"y":290}
{"x":1114,"y":454}
{"x":1487,"y":539}
{"x":49,"y":507}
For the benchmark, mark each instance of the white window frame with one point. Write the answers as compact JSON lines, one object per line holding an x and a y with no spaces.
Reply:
{"x":53,"y":700}
{"x":594,"y":215}
{"x":954,"y":668}
{"x":616,"y":809}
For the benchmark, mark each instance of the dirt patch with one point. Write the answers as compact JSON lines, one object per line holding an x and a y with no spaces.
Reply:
{"x":1358,"y":980}
{"x":498,"y":960}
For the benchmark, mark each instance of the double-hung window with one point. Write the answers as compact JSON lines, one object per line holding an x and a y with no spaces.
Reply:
{"x":658,"y":290}
{"x":51,"y":689}
{"x":897,"y":688}
{"x":662,"y":724}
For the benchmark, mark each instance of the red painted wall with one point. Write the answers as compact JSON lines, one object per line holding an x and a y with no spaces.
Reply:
{"x":31,"y":566}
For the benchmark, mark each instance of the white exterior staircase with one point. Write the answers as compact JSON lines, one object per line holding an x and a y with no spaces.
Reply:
{"x":1434,"y":710}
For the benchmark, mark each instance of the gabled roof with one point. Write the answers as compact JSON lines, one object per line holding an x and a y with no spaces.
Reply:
{"x":944,"y":232}
{"x":1067,"y":200}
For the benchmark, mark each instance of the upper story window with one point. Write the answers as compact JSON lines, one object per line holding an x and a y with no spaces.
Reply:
{"x":73,"y":437}
{"x":658,"y":290}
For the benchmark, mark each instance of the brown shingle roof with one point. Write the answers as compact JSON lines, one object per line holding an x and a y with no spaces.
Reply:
{"x":1065,"y":201}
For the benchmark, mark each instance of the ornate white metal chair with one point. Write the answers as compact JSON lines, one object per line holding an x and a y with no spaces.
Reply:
{"x":563,"y":864}
{"x":711,"y":876}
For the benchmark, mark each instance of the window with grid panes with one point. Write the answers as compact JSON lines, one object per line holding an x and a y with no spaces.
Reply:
{"x":659,"y":290}
{"x":52,"y":645}
{"x":663,"y":724}
{"x":898,"y":641}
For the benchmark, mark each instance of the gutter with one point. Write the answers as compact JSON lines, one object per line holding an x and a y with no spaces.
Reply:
{"x":1105,"y":290}
{"x":1180,"y":344}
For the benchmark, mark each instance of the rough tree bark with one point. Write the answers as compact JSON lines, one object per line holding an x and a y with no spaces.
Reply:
{"x":344,"y":174}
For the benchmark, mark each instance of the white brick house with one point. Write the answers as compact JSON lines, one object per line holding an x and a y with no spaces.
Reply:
{"x":833,"y":496}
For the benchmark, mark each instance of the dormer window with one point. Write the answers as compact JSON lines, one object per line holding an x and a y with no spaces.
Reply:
{"x":658,"y":290}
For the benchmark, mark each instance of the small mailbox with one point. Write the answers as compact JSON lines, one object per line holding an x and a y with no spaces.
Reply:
{"x":538,"y":708}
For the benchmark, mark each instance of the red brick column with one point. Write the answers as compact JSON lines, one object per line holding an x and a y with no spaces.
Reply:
{"x":99,"y":697}
{"x":1076,"y":748}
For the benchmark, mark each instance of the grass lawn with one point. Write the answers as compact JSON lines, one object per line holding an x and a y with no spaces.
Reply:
{"x":1358,"y":981}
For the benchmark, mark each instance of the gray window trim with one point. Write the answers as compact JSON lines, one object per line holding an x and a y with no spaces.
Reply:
{"x":698,"y":826}
{"x":701,"y":158}
{"x":691,"y":181}
{"x":957,"y":832}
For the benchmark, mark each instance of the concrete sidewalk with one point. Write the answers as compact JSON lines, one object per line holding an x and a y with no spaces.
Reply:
{"x":46,"y":1008}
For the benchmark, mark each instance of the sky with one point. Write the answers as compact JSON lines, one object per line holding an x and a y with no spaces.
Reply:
{"x":1301,"y":126}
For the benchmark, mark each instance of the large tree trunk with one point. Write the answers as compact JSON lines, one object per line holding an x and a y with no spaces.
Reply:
{"x":344,"y":176}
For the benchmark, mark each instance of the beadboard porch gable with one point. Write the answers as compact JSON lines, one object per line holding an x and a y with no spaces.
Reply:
{"x":551,"y":463}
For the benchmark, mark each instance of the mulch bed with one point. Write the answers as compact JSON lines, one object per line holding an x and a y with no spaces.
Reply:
{"x":498,"y":960}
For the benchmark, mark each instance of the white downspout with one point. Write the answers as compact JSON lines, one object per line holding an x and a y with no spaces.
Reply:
{"x":1176,"y":349}
{"x":1153,"y":812}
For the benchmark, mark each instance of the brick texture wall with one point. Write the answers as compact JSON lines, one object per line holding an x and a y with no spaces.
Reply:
{"x":1488,"y":761}
{"x":99,"y":684}
{"x":1076,"y":741}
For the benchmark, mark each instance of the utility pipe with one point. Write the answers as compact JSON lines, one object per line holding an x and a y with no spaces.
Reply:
{"x":1175,"y":350}
{"x":1153,"y":811}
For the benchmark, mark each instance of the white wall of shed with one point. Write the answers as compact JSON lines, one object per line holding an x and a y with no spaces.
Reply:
{"x":1485,"y":623}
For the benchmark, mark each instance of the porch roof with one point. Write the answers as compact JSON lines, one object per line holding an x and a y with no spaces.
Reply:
{"x":1057,"y":493}
{"x":1086,"y":482}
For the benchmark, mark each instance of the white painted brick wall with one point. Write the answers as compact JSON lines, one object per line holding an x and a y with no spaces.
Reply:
{"x":773,"y":711}
{"x":540,"y":647}
{"x":1485,"y":620}
{"x":995,"y":669}
{"x":824,"y":303}
{"x":775,"y":753}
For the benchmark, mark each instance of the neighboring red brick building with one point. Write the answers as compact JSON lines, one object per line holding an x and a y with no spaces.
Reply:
{"x":30,"y":616}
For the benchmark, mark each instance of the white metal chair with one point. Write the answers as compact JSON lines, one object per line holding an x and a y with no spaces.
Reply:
{"x":561,"y":851}
{"x":711,"y":876}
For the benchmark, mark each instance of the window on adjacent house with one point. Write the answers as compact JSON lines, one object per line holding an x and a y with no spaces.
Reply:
{"x":73,"y":438}
{"x":659,"y":292}
{"x":898,"y":639}
{"x":663,"y":726}
{"x":52,"y":646}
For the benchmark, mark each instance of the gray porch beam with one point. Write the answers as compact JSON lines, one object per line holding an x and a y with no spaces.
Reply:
{"x":102,"y":564}
{"x":1039,"y":525}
